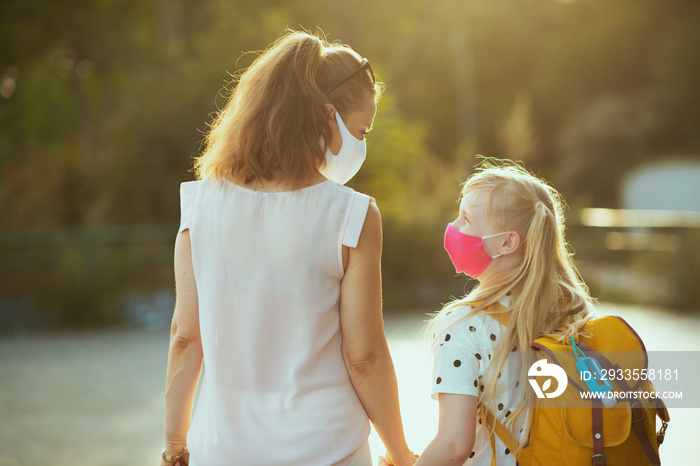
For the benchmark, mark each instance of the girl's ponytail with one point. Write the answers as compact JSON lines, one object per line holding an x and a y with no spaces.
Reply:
{"x":539,"y":263}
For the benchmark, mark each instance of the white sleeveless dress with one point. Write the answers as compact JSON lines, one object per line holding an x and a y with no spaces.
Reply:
{"x":268,"y":268}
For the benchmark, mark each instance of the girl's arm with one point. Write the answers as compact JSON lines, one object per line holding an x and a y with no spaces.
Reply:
{"x":185,"y":353}
{"x":364,"y":347}
{"x":455,"y":437}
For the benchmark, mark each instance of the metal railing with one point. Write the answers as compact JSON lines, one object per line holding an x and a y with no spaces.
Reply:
{"x":648,"y":231}
{"x":23,"y":250}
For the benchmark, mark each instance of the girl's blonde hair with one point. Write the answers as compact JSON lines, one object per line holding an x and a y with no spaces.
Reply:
{"x":273,"y":121}
{"x":546,"y":290}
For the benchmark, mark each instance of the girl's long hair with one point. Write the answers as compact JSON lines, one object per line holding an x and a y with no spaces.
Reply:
{"x":273,"y":122}
{"x":546,"y":290}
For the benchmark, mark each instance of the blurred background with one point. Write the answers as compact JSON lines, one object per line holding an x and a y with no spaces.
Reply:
{"x":103,"y":106}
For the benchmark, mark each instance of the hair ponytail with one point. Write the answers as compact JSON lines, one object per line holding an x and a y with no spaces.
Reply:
{"x":539,"y":261}
{"x":273,"y":121}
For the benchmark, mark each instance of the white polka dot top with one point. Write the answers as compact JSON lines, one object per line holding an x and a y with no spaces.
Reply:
{"x":268,"y":268}
{"x":464,"y":347}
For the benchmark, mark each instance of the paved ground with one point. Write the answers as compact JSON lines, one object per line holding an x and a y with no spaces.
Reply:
{"x":96,"y":398}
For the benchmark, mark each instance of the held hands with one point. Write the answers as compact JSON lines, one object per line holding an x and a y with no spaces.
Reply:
{"x":183,"y":461}
{"x":405,"y":461}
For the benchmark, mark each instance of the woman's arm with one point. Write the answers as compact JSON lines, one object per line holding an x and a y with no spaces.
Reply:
{"x":365,"y":349}
{"x":455,"y":437}
{"x":185,"y":353}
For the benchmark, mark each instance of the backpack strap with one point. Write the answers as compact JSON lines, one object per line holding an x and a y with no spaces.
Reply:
{"x":598,"y":458}
{"x":495,"y":426}
{"x":639,"y":428}
{"x":492,"y":442}
{"x":497,"y":311}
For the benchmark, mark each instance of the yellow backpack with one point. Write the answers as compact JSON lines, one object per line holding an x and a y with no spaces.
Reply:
{"x":594,"y":435}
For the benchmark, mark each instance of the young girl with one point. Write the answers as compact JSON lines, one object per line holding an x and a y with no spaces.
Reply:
{"x":509,"y":235}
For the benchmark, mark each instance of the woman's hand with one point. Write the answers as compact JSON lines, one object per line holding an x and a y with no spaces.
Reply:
{"x":181,"y":450}
{"x":389,"y":461}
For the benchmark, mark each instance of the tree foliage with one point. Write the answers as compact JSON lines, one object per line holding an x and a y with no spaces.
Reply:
{"x":103,"y":103}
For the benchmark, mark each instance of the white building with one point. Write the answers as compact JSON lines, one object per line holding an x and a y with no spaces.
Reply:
{"x":663,"y":185}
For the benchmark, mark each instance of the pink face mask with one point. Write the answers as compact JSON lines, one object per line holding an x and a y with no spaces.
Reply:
{"x":467,"y":252}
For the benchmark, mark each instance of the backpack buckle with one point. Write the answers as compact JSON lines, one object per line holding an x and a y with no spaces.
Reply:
{"x":662,"y":433}
{"x":599,"y":460}
{"x":637,"y":412}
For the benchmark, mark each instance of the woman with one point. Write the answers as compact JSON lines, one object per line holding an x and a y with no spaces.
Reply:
{"x":277,"y":269}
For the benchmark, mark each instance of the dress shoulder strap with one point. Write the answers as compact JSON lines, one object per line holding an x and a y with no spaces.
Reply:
{"x":355,"y":219}
{"x":188,"y":191}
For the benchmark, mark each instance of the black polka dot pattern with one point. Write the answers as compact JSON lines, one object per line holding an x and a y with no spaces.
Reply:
{"x":471,"y":455}
{"x":458,"y":369}
{"x":507,"y":451}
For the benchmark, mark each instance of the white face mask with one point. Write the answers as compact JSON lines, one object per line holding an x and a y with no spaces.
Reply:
{"x":342,"y":167}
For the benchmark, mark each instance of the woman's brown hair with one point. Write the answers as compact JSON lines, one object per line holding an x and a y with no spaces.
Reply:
{"x":273,"y":121}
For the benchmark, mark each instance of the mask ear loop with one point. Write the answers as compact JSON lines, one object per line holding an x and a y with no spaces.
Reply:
{"x":491,"y":236}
